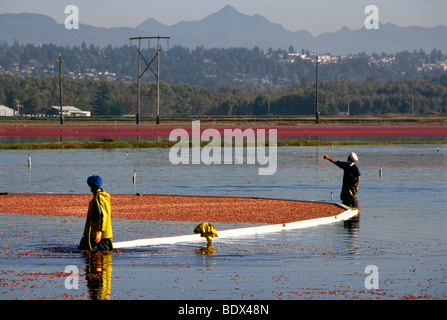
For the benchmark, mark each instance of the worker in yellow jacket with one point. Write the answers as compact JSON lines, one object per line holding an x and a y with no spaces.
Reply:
{"x":98,"y":225}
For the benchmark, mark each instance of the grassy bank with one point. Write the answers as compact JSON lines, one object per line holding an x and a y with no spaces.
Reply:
{"x":112,"y":144}
{"x":228,"y":120}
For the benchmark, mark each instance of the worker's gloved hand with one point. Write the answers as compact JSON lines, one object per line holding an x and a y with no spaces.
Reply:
{"x":98,"y":236}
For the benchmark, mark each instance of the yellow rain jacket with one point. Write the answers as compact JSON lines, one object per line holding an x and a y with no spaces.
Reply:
{"x":99,"y":216}
{"x":206,"y":230}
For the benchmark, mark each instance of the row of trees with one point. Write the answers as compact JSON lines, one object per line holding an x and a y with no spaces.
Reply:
{"x":419,"y":96}
{"x":217,"y":67}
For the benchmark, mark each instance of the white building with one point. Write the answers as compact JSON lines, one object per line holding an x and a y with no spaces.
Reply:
{"x":71,"y":111}
{"x":6,"y":112}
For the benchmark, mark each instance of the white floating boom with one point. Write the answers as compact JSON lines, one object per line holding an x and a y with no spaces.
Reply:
{"x":234,"y":233}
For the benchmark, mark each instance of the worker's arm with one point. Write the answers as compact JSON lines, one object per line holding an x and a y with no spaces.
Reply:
{"x":325,"y":157}
{"x":357,"y":185}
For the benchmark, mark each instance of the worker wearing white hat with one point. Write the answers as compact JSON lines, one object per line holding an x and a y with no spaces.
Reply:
{"x":351,"y":178}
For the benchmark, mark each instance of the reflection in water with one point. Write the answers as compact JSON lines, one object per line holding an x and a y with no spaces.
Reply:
{"x":208,"y":250}
{"x":207,"y":262}
{"x":351,"y":226}
{"x":98,"y":273}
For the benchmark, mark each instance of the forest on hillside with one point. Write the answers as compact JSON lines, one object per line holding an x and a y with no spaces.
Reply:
{"x":104,"y":97}
{"x":234,"y":81}
{"x":213,"y":68}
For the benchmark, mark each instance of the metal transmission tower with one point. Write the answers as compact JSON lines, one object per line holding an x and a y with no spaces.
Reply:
{"x":148,"y":66}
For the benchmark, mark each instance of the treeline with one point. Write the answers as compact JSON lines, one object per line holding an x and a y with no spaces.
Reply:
{"x":419,"y":96}
{"x":214,"y":68}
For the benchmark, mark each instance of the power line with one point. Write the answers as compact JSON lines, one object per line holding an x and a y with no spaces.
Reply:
{"x":148,"y":66}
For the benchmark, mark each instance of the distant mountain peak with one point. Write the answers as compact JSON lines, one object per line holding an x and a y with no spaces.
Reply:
{"x":345,"y":29}
{"x":150,"y":24}
{"x":228,"y":9}
{"x":225,"y":14}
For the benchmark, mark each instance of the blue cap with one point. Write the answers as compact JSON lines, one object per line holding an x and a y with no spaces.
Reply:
{"x":94,"y":182}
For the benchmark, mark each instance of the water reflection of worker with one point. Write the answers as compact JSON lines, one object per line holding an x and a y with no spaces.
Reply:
{"x":208,"y":250}
{"x":99,"y":274}
{"x":98,"y":225}
{"x":351,"y":179}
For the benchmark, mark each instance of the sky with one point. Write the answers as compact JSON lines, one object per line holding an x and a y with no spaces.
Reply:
{"x":315,"y":16}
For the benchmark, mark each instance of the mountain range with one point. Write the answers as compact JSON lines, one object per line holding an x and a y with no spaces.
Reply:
{"x":223,"y":29}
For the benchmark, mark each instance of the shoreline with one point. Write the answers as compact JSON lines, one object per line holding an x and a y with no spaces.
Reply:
{"x":129,"y":120}
{"x":173,"y":207}
{"x":134,"y":144}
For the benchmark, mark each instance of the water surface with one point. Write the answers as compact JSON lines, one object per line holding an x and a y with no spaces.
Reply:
{"x":401,"y":228}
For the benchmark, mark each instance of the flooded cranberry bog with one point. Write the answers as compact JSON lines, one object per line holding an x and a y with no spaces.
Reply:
{"x":29,"y":132}
{"x":395,"y":249}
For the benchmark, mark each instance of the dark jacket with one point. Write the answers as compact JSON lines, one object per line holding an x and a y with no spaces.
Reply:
{"x":350,"y":180}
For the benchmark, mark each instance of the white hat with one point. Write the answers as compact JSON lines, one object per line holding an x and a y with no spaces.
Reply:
{"x":353,"y":157}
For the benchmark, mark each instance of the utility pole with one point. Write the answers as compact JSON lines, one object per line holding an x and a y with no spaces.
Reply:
{"x":317,"y":113}
{"x":18,"y":105}
{"x":60,"y":90}
{"x":268,"y":104}
{"x":158,"y":81}
{"x":156,"y":74}
{"x":138,"y":92}
{"x":412,"y":105}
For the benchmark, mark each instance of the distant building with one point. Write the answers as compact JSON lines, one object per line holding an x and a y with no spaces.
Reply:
{"x":70,"y":111}
{"x":6,"y":112}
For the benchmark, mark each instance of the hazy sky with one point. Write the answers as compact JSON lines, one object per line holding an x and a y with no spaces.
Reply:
{"x":316,"y":16}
